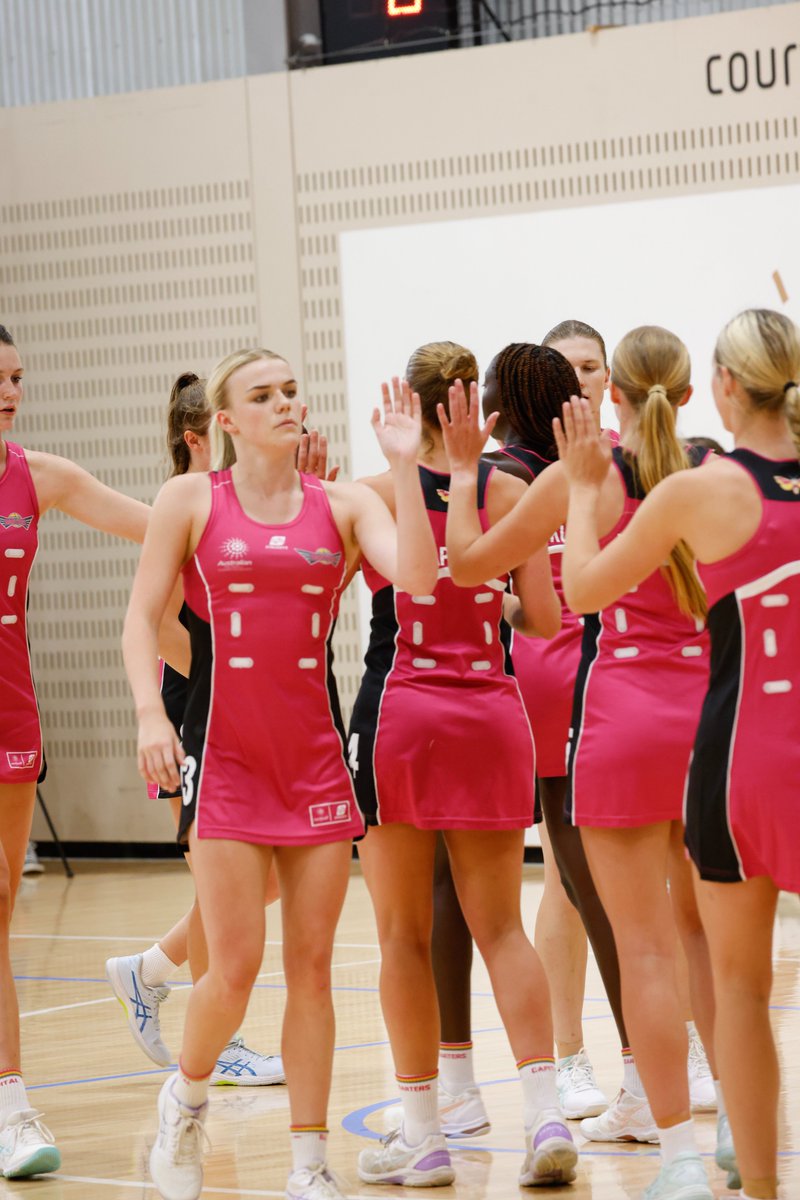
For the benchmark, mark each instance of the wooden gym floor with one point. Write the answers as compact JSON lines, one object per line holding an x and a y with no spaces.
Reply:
{"x":98,"y":1091}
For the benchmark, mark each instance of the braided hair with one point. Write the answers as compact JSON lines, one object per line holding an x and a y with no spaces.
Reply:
{"x":533,"y":383}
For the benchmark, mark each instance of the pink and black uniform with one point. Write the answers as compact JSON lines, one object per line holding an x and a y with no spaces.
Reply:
{"x":21,"y":758}
{"x":742,"y":807}
{"x":439,"y":737}
{"x":546,"y":670}
{"x":641,"y":682}
{"x":262,"y":728}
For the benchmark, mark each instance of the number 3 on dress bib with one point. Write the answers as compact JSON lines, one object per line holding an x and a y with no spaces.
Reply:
{"x":188,"y":770}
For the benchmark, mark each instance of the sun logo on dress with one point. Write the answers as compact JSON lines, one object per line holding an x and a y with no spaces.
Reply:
{"x":788,"y":485}
{"x":234,"y":547}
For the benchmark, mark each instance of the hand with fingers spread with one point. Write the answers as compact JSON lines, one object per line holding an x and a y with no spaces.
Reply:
{"x":159,"y":751}
{"x":399,"y":433}
{"x":584,"y":452}
{"x":312,"y":456}
{"x":464,"y":437}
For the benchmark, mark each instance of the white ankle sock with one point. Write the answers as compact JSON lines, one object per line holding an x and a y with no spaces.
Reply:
{"x":630,"y":1075}
{"x":309,"y":1146}
{"x":190,"y":1092}
{"x":13,"y":1097}
{"x":156,"y":966}
{"x":456,"y":1072}
{"x":538,"y":1078}
{"x":677,"y":1139}
{"x":420,"y":1096}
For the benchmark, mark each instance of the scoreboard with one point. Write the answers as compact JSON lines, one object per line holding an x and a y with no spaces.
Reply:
{"x":358,"y":29}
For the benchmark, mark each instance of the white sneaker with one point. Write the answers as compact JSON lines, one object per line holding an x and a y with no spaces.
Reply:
{"x":313,"y":1183}
{"x":627,"y":1119}
{"x":176,"y":1160}
{"x":578,"y":1093}
{"x":550,"y":1153}
{"x":684,"y":1179}
{"x":239,"y":1066}
{"x":32,"y":864}
{"x":141,"y":1004}
{"x":461,"y":1116}
{"x":26,"y":1146}
{"x":426,"y":1165}
{"x":701,"y":1082}
{"x":725,"y":1155}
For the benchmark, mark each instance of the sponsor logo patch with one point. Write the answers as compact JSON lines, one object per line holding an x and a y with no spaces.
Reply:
{"x":329,"y":814}
{"x":788,"y":485}
{"x":277,"y":542}
{"x":16,"y":521}
{"x":321,"y":556}
{"x":21,"y":760}
{"x":443,"y":495}
{"x":235,"y":550}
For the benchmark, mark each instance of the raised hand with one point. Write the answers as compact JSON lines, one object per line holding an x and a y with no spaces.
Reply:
{"x":464,"y":438}
{"x":312,"y":456}
{"x":400,"y":431}
{"x":584,"y":452}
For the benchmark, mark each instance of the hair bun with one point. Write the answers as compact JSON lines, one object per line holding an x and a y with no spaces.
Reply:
{"x":460,"y":366}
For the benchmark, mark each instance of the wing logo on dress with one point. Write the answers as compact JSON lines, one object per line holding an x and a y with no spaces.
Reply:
{"x":321,"y":556}
{"x":443,"y":495}
{"x":787,"y":484}
{"x":16,"y":521}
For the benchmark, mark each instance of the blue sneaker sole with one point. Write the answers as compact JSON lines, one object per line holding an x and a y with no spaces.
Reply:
{"x":39,"y":1163}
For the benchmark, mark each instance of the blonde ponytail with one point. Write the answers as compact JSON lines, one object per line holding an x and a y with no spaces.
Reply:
{"x":651,"y":367}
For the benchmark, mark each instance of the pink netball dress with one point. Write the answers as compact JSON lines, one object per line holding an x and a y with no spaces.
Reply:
{"x":21,"y":733}
{"x":742,"y":806}
{"x":439,"y":737}
{"x":262,"y":728}
{"x":640,"y":686}
{"x":546,"y":670}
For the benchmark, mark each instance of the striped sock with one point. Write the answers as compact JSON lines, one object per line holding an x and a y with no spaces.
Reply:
{"x":538,"y":1078}
{"x":456,"y":1072}
{"x":189,"y":1090}
{"x":13,"y":1097}
{"x":309,"y":1146}
{"x":420,"y":1096}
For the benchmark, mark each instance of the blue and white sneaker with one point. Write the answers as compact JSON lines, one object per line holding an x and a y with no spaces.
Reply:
{"x":550,"y":1153}
{"x":27,"y":1146}
{"x":725,"y":1155}
{"x":239,"y":1066}
{"x":141,"y":1004}
{"x":683,"y":1179}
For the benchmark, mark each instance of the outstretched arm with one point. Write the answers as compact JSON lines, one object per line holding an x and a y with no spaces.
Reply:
{"x":472,"y":555}
{"x":593,"y":578}
{"x":404,"y":553}
{"x":64,"y":485}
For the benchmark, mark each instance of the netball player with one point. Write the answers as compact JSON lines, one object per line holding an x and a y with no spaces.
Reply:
{"x":649,"y":648}
{"x":139,"y":981}
{"x":30,"y":483}
{"x":739,"y":516}
{"x":265,"y":554}
{"x":436,"y":687}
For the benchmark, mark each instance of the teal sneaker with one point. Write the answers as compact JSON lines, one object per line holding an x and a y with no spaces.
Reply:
{"x":27,"y":1146}
{"x":684,"y":1179}
{"x":725,"y":1156}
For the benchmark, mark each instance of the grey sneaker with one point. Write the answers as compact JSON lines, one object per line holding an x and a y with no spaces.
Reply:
{"x":32,"y":865}
{"x":684,"y":1179}
{"x":241,"y":1067}
{"x":141,"y":1004}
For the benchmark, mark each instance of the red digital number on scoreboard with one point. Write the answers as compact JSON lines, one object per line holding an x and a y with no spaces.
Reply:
{"x":403,"y":8}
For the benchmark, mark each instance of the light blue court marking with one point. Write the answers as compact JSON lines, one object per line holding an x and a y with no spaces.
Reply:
{"x":37,"y":1087}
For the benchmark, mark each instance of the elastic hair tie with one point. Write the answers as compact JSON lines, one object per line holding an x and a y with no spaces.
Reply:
{"x":788,"y":385}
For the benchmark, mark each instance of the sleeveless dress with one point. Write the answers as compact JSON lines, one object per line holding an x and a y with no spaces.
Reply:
{"x":640,"y":686}
{"x":742,"y":805}
{"x":439,"y":738}
{"x":21,"y":758}
{"x":262,"y":728}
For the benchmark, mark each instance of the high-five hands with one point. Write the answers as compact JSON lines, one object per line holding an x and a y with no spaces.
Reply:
{"x":585,"y":453}
{"x":464,"y":437}
{"x":399,"y":433}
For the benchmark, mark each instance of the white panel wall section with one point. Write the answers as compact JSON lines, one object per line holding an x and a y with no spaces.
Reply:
{"x":146,"y":234}
{"x":67,"y":49}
